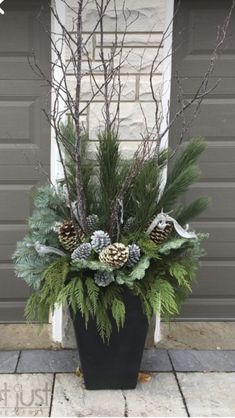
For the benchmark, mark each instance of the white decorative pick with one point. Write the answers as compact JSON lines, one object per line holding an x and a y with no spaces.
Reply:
{"x":161,"y":221}
{"x":44,"y":249}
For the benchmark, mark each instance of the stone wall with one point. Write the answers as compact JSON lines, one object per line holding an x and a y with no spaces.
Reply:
{"x":141,"y":42}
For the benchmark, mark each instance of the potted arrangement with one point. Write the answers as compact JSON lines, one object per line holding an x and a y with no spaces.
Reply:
{"x":132,"y":256}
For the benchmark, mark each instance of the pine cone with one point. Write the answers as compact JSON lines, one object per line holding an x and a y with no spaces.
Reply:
{"x":82,"y":252}
{"x":134,"y":255}
{"x":92,"y":223}
{"x":129,"y":225}
{"x":100,"y":240}
{"x":103,"y":278}
{"x":115,"y":255}
{"x":158,"y":235}
{"x":69,"y":235}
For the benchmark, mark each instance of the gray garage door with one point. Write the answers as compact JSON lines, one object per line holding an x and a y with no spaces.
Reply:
{"x":24,"y":136}
{"x":195,"y":31}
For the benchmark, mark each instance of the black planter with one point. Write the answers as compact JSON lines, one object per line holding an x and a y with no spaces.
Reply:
{"x":116,"y":365}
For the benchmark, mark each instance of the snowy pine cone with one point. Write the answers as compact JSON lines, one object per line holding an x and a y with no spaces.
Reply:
{"x":129,"y":224}
{"x":100,"y":240}
{"x":103,"y":278}
{"x":82,"y":252}
{"x":92,"y":223}
{"x":134,"y":255}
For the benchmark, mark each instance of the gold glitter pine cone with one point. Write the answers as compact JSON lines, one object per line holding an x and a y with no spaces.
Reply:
{"x":115,"y":255}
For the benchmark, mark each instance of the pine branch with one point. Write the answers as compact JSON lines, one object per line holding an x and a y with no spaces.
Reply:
{"x":184,"y":172}
{"x":176,"y":188}
{"x":188,"y":157}
{"x":144,"y":194}
{"x":110,"y":173}
{"x":193,"y":210}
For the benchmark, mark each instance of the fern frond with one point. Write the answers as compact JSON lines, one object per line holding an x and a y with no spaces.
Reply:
{"x":53,"y":281}
{"x":78,"y":296}
{"x":103,"y":323}
{"x":119,"y":312}
{"x":179,"y":272}
{"x":138,"y":291}
{"x":161,"y":297}
{"x":92,"y":293}
{"x":35,"y":310}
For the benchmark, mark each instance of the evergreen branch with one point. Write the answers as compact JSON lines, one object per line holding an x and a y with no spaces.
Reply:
{"x":79,"y":264}
{"x":187,"y":158}
{"x":187,"y":213}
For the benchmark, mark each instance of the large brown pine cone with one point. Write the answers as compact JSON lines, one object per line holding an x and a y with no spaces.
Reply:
{"x":158,"y":235}
{"x":115,"y":255}
{"x":70,"y":235}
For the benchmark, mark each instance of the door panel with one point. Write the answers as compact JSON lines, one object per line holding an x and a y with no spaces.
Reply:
{"x":24,"y":134}
{"x":195,"y":30}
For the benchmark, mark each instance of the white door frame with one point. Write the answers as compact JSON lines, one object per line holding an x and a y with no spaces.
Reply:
{"x":57,"y":318}
{"x":166,"y":80}
{"x":56,"y":169}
